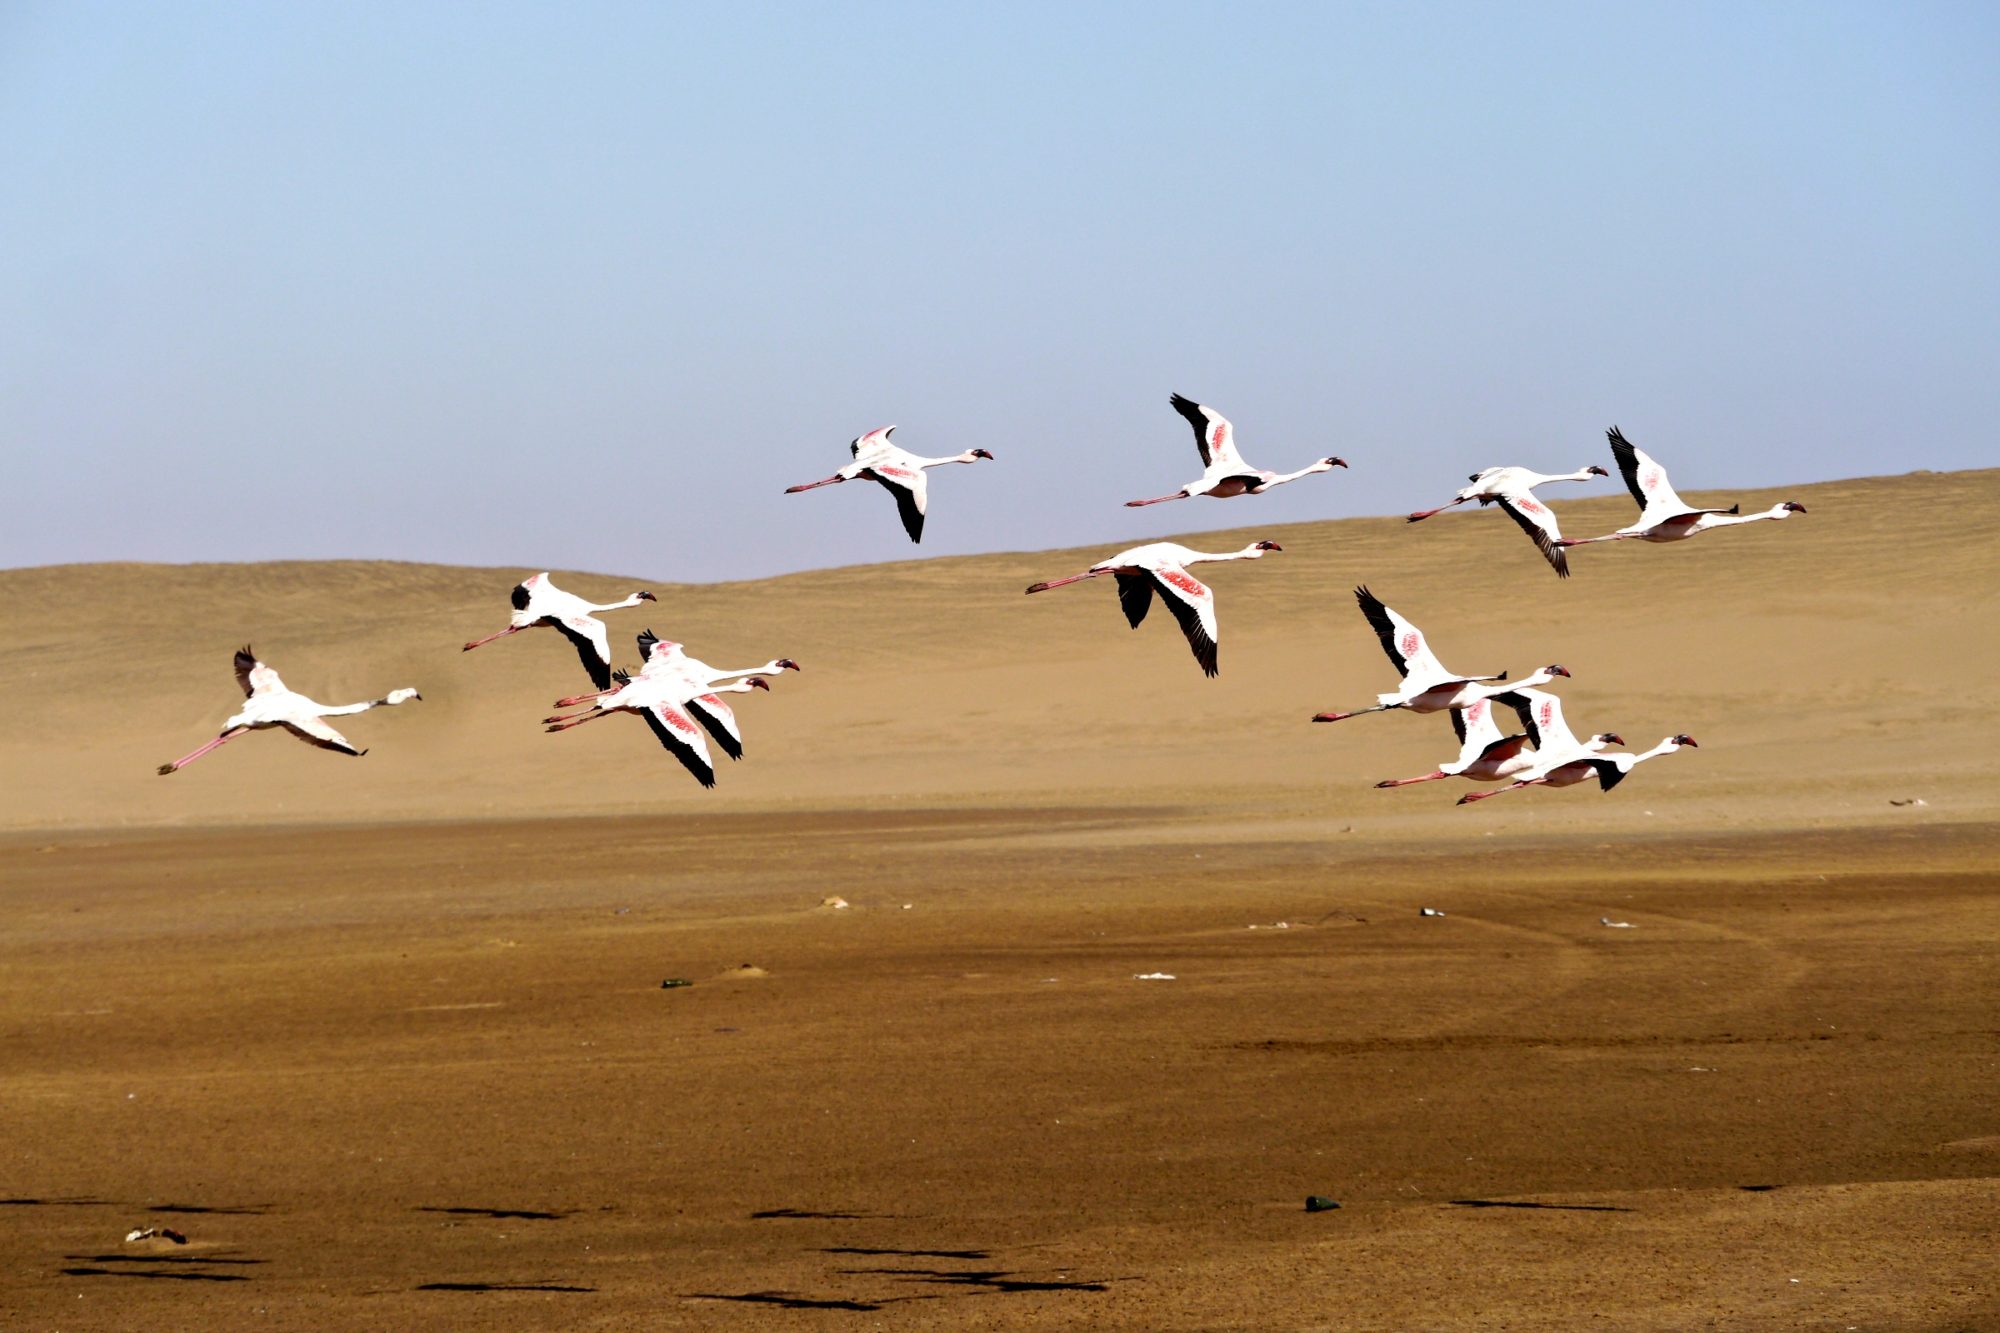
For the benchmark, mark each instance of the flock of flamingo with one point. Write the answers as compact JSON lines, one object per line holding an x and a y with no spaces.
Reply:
{"x":679,"y":696}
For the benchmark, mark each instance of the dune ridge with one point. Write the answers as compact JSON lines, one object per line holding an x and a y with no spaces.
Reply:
{"x":1820,"y":662}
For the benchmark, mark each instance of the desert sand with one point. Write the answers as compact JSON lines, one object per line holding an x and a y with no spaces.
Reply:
{"x":386,"y":1037}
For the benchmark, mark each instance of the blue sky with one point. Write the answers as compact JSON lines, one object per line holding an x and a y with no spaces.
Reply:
{"x":588,"y":285}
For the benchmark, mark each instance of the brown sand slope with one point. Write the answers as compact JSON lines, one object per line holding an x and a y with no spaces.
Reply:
{"x":416,"y":1069}
{"x":1822,"y":663}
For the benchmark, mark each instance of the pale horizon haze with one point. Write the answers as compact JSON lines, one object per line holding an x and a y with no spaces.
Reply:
{"x":587,"y":286}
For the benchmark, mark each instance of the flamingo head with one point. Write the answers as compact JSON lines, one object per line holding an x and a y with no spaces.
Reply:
{"x":645,"y":596}
{"x":1611,"y":738}
{"x":1791,"y":507}
{"x":1685,"y":739}
{"x":981,"y":453}
{"x":1262,"y":547}
{"x":1333,"y":460}
{"x":1596,"y":471}
{"x":1556,"y":669}
{"x":758,"y":683}
{"x":787,"y":664}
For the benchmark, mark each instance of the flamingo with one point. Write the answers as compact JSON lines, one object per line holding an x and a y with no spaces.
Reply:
{"x":268,"y":703}
{"x":664,"y":657}
{"x":1608,"y":769}
{"x":1162,"y":566}
{"x":540,"y":602}
{"x":1224,"y":473}
{"x":663,"y":699}
{"x":1484,"y":755}
{"x":900,"y":472}
{"x":1427,"y":686}
{"x":1663,"y":515}
{"x":1512,"y":488}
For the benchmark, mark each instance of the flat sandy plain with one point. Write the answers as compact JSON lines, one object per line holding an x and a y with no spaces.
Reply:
{"x":386,"y":1037}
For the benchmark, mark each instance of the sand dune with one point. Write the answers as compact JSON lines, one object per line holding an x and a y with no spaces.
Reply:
{"x":1820,"y":662}
{"x":387,"y":1038}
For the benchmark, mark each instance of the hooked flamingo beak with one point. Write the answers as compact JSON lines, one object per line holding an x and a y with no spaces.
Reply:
{"x":1613,"y":738}
{"x":645,"y":597}
{"x":759,"y":683}
{"x":1269,"y":546}
{"x":1596,"y":471}
{"x":1795,"y":508}
{"x":1336,"y":462}
{"x":981,"y":453}
{"x":1556,"y":669}
{"x":787,"y":664}
{"x":1686,"y":740}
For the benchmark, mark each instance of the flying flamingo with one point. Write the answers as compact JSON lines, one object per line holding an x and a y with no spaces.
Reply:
{"x":1224,"y":473}
{"x":1663,"y":515}
{"x":900,"y":472}
{"x":1512,"y":488}
{"x":1608,"y":769}
{"x":664,"y":657}
{"x":540,"y":602}
{"x":268,"y":703}
{"x":663,"y":701}
{"x":1427,"y":686}
{"x":1162,"y":566}
{"x":1485,"y":755}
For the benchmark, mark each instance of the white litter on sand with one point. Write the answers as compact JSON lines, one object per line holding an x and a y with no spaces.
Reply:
{"x":1153,"y":976}
{"x":1615,"y":925}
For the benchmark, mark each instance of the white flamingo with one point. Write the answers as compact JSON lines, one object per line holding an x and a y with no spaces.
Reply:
{"x":1608,"y":769}
{"x":1427,"y":686}
{"x":1162,"y":567}
{"x":663,"y":700}
{"x":1512,"y":488}
{"x":899,"y":471}
{"x":540,"y":602}
{"x":1484,"y":755}
{"x":1663,"y":515}
{"x":664,"y":657}
{"x":1224,"y":473}
{"x":268,"y":703}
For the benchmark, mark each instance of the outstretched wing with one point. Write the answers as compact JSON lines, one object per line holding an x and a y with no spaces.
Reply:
{"x":907,"y":485}
{"x":1193,"y":605}
{"x":593,"y":647}
{"x":1403,"y":641}
{"x":1542,"y":716}
{"x":1609,"y":773}
{"x":1213,"y":435}
{"x":1646,"y":479}
{"x":1539,"y":523}
{"x":1474,"y":725}
{"x":315,"y":732}
{"x":254,"y":676}
{"x":874,"y":439}
{"x":677,"y":731}
{"x":717,"y":719}
{"x":1135,"y":596}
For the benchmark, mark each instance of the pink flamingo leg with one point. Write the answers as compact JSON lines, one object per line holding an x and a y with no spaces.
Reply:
{"x":576,"y":699}
{"x":511,"y":629}
{"x":578,"y":720}
{"x":1404,"y":782}
{"x":1057,"y":583}
{"x":806,"y":486}
{"x":187,"y":759}
{"x":1422,"y":514}
{"x":1472,"y":796}
{"x":1342,"y":717}
{"x":1156,"y":500}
